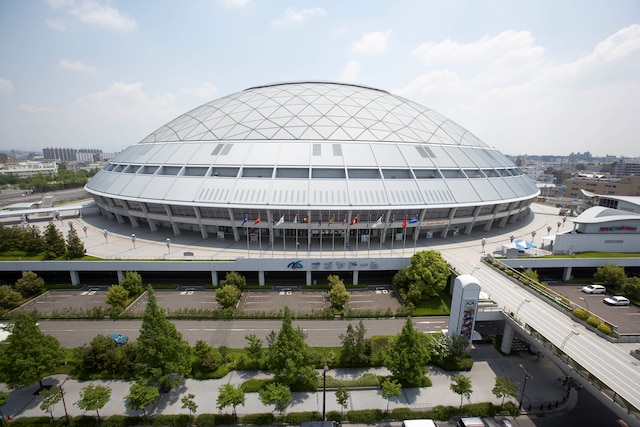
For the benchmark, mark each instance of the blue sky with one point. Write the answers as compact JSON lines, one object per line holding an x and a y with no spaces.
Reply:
{"x":537,"y":77}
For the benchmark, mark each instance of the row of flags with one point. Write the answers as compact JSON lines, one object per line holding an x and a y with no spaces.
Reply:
{"x":353,"y":221}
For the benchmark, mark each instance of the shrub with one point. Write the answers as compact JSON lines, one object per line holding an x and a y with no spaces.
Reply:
{"x":365,"y":415}
{"x":482,"y":410}
{"x":258,"y":419}
{"x":334,"y":416}
{"x":444,"y":413}
{"x":593,"y":321}
{"x":402,"y":414}
{"x":509,"y":272}
{"x":299,"y":417}
{"x":180,"y":420}
{"x":605,"y":329}
{"x":580,"y":313}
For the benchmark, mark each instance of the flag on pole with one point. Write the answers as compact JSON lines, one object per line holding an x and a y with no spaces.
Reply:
{"x":320,"y":221}
{"x":354,"y":220}
{"x":331,"y":221}
{"x":392,"y":219}
{"x":413,"y":220}
{"x":295,"y":219}
{"x":281,"y":220}
{"x":344,"y":221}
{"x":378,"y":222}
{"x":404,"y":223}
{"x":244,"y":221}
{"x":257,"y":221}
{"x":305,"y":220}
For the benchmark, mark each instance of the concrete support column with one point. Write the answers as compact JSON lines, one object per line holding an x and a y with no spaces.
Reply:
{"x":566,"y":274}
{"x":75,"y":277}
{"x":261,"y":281}
{"x":308,"y":278}
{"x":355,"y":277}
{"x":507,"y":339}
{"x":120,"y":276}
{"x":214,"y":278}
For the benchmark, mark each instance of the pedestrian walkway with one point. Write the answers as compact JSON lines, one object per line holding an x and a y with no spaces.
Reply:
{"x":489,"y":364}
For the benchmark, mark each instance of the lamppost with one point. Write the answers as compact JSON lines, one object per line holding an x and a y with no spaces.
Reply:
{"x":572,"y":333}
{"x":133,"y":240}
{"x":105,"y":233}
{"x":64,"y":404}
{"x":324,"y":391}
{"x":169,"y":245}
{"x":524,"y":385}
{"x":586,"y":303}
{"x":515,"y":316}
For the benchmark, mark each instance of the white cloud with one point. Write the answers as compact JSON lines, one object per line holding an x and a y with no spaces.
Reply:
{"x":60,"y":4}
{"x":294,"y":16}
{"x":372,"y":43}
{"x":505,"y":90}
{"x":122,"y":99}
{"x":351,"y":72}
{"x":58,"y":24}
{"x":32,"y":108}
{"x":206,"y":90}
{"x":5,"y":85}
{"x":236,"y":3}
{"x":75,"y":65}
{"x":101,"y":13}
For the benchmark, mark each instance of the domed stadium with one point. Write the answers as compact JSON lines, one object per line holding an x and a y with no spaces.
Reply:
{"x":311,"y":159}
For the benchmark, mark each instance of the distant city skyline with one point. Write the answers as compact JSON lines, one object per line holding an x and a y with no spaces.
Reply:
{"x":534,"y":78}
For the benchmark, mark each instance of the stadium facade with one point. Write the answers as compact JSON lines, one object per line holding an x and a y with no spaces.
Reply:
{"x":313,"y":160}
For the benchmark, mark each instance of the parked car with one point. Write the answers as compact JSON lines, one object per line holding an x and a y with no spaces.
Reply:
{"x":119,"y":339}
{"x":616,"y":300}
{"x":594,"y":289}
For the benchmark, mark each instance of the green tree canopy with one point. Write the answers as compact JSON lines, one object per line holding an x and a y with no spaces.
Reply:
{"x":161,"y":351}
{"x":53,"y":242}
{"x":631,"y":288}
{"x":236,"y":279}
{"x":27,"y":354}
{"x":461,"y":385}
{"x":338,"y":294}
{"x":425,"y":277}
{"x":29,"y":284}
{"x":407,"y":355}
{"x":254,"y":349}
{"x":140,"y":396}
{"x":9,"y":299}
{"x":117,"y":297}
{"x":93,"y":398}
{"x":228,"y":296}
{"x":391,"y":389}
{"x":276,"y":394}
{"x":611,"y":275}
{"x":505,"y":387}
{"x":50,"y":397}
{"x":229,"y":395}
{"x":189,"y":403}
{"x":132,"y":282}
{"x":75,"y":247}
{"x":356,"y":349}
{"x":290,"y":358}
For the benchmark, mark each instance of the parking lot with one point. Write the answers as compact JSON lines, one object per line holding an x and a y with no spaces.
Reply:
{"x":298,"y":301}
{"x":67,"y":301}
{"x":174,"y":300}
{"x":627,"y":319}
{"x":380,"y":298}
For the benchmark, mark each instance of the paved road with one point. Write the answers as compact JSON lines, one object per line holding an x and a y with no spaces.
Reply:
{"x":231,"y":333}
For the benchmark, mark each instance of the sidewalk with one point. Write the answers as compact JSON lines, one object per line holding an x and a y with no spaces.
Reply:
{"x":489,"y":363}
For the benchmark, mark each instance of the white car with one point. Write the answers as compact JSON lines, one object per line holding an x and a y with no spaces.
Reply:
{"x":594,"y":289}
{"x":616,"y":300}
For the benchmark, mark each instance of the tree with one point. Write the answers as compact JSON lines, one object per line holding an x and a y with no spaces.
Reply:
{"x":254,"y":350}
{"x":425,"y":277}
{"x":342,"y":397}
{"x":29,"y":284}
{"x":75,"y":247}
{"x":27,"y":354}
{"x":3,"y":400}
{"x":631,"y":288}
{"x":356,"y":349}
{"x":504,"y":387}
{"x":461,"y":385}
{"x":407,"y":355}
{"x":611,"y":276}
{"x":162,"y":352}
{"x":390,"y":389}
{"x":117,"y":297}
{"x":53,"y":242}
{"x":50,"y":397}
{"x":189,"y":403}
{"x":338,"y":294}
{"x":234,"y":278}
{"x":93,"y":398}
{"x":228,"y":395}
{"x":290,"y":358}
{"x":276,"y":394}
{"x":9,"y":299}
{"x":140,"y":396}
{"x":439,"y":346}
{"x":228,"y":296}
{"x":132,"y":282}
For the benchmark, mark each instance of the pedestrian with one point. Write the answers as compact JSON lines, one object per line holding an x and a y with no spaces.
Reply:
{"x":511,"y":238}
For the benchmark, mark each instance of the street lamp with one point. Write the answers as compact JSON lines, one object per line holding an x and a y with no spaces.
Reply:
{"x":572,"y":333}
{"x":133,"y":240}
{"x":169,"y":244}
{"x":64,"y":404}
{"x":515,"y":316}
{"x":586,"y":303}
{"x":324,"y":391}
{"x":524,"y":385}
